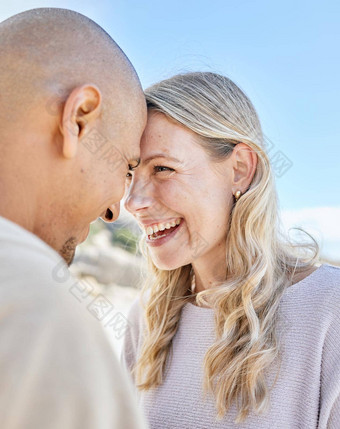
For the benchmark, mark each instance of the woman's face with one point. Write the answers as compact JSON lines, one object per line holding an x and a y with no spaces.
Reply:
{"x":179,"y":196}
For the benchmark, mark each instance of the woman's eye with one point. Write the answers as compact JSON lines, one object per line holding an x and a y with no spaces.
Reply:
{"x":129,"y":175}
{"x":161,"y":168}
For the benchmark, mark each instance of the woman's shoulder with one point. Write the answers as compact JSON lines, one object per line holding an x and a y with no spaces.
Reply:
{"x":320,"y":289}
{"x":331,"y":274}
{"x":135,"y":327}
{"x":323,"y":276}
{"x":330,"y":285}
{"x":136,"y":311}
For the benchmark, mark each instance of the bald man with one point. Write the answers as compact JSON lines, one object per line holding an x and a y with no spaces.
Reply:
{"x":72,"y":112}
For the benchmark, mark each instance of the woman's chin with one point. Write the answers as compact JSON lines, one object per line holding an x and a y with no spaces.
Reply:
{"x":168,"y":264}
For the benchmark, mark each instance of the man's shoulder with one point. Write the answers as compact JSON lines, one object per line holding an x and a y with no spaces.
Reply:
{"x":25,"y":265}
{"x":37,"y":285}
{"x":35,"y":280}
{"x":16,"y":240}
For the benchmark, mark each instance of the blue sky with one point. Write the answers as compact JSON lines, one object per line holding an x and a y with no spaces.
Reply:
{"x":284,"y":55}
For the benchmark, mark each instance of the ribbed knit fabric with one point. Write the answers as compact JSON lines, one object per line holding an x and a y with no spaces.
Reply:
{"x":307,"y":392}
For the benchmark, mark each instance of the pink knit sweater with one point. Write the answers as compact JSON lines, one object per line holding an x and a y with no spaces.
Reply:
{"x":307,"y":392}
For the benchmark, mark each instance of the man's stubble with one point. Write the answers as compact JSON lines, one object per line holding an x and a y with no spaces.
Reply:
{"x":68,"y":250}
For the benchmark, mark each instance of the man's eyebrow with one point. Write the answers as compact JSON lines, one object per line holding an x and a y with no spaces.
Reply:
{"x":159,"y":155}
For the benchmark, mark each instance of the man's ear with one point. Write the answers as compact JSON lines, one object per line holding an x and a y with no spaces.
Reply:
{"x":82,"y":107}
{"x":244,"y":167}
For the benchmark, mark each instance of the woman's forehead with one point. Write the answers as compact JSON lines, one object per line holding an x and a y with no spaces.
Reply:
{"x":167,"y":137}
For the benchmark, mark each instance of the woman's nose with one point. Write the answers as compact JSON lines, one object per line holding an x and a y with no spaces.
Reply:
{"x":111,"y":214}
{"x":138,"y":197}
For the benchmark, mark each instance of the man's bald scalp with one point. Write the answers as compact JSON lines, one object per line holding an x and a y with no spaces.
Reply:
{"x":47,"y":52}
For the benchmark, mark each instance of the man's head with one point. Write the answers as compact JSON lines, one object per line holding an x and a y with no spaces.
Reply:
{"x":72,"y":112}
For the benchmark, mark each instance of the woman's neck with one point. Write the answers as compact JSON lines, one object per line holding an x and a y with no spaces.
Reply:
{"x":209,"y":272}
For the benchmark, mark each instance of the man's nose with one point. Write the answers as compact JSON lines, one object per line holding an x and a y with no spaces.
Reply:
{"x":138,"y":198}
{"x":111,"y":214}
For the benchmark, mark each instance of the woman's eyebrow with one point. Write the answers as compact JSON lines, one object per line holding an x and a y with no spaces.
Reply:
{"x":159,"y":155}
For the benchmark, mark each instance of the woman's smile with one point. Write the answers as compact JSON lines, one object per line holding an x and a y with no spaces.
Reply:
{"x":162,"y":233}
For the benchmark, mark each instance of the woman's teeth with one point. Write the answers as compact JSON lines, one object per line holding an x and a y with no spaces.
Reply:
{"x":151,"y":230}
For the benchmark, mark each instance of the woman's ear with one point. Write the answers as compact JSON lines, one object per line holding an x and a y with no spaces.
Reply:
{"x":244,"y":162}
{"x":81,"y":109}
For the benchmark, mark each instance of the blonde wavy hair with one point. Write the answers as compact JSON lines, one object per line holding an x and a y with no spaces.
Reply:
{"x":261,"y":260}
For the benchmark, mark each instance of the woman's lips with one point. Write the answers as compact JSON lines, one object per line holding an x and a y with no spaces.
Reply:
{"x":164,"y":236}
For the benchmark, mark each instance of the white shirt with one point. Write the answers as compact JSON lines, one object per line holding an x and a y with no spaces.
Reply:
{"x":57,"y":369}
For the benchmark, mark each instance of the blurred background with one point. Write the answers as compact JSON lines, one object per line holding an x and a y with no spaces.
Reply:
{"x":284,"y":56}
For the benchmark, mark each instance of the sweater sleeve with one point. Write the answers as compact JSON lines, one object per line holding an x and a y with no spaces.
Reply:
{"x":329,"y":417}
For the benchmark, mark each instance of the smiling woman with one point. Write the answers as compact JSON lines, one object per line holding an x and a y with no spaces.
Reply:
{"x":221,"y":272}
